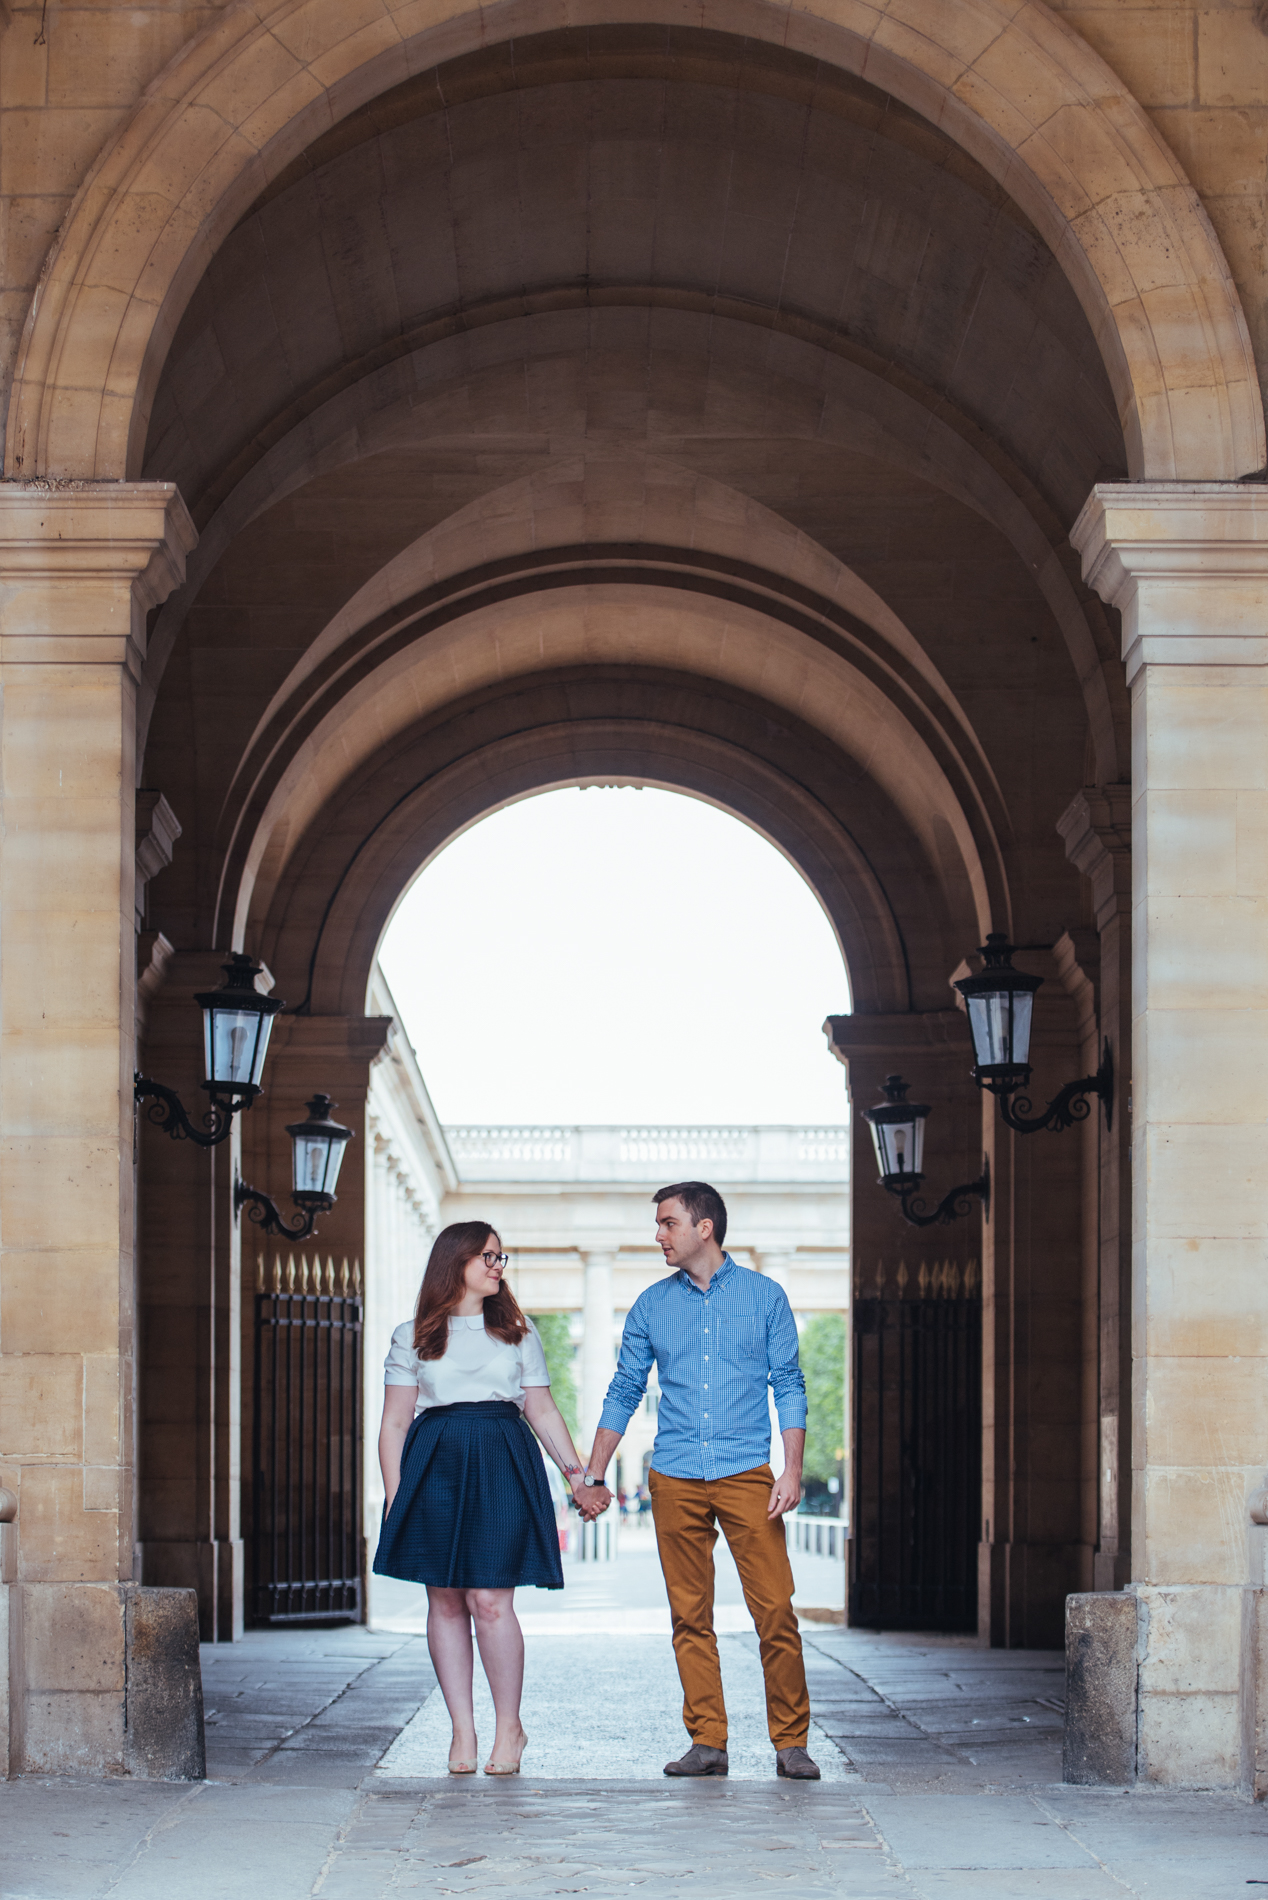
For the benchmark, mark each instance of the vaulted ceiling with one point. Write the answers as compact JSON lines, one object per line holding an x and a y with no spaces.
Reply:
{"x":622,"y":265}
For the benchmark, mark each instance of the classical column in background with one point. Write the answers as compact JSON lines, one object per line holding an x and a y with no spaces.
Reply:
{"x":598,"y":1360}
{"x":81,"y":567}
{"x":1187,"y":566}
{"x":189,"y":1321}
{"x":774,"y":1266}
{"x":1096,"y":828}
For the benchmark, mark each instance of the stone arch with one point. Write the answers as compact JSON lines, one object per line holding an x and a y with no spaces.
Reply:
{"x":897,"y":428}
{"x":1020,"y":90}
{"x":645,"y":751}
{"x":707,"y":670}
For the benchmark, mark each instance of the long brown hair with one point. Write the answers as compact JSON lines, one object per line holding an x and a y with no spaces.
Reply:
{"x":443,"y":1287}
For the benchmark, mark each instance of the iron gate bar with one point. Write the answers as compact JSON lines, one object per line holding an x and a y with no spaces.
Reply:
{"x":306,"y":1548}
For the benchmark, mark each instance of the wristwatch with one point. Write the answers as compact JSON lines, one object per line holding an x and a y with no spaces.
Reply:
{"x":589,"y":1478}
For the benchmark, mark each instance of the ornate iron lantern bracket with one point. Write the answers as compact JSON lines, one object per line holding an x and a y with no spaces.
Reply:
{"x":317,"y":1146}
{"x":264,"y":1211}
{"x":898,"y":1135}
{"x":1071,"y":1104}
{"x":167,"y":1111}
{"x":953,"y":1205}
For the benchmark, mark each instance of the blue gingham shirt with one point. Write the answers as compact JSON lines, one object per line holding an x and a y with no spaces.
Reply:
{"x":716,"y":1353}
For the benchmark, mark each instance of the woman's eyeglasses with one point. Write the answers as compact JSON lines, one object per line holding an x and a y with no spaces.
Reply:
{"x":495,"y":1259}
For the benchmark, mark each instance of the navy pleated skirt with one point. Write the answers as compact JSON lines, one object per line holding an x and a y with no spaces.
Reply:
{"x":473,"y":1509}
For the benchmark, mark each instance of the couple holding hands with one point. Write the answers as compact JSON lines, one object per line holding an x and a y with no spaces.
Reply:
{"x":468,"y":1510}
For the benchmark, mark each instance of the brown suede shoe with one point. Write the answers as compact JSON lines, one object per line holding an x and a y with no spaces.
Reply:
{"x":700,"y":1760}
{"x":795,"y":1765}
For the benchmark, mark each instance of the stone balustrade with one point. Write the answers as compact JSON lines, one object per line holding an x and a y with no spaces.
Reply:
{"x":619,"y":1153}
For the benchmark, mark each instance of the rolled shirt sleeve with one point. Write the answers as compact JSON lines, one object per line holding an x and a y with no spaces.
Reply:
{"x":533,"y":1358}
{"x":786,"y":1377}
{"x":629,"y":1381}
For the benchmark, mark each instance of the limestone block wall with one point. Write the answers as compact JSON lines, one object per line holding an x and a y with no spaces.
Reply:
{"x":1201,"y":73}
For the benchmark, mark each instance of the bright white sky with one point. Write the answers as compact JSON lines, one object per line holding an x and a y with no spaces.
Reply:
{"x":614,"y":955}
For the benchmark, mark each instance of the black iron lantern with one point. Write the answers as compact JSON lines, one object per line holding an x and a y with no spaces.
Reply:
{"x":898,"y":1136}
{"x":317,"y":1147}
{"x":317,"y":1150}
{"x":1000,"y":1003}
{"x":237,"y":1023}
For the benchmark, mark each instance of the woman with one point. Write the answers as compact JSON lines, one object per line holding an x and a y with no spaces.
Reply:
{"x":468,"y":1510}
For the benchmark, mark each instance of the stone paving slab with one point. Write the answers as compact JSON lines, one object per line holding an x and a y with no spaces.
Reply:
{"x":613,"y":1712}
{"x":300,"y":1807}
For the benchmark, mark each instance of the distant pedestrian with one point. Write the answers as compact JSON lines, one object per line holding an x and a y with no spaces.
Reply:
{"x":468,"y":1509}
{"x":718,"y":1336}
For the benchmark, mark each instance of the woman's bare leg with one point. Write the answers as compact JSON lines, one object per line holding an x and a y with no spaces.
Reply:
{"x":501,"y":1643}
{"x":449,"y":1641}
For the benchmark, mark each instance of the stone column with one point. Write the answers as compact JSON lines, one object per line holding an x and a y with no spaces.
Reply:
{"x":1187,"y":567}
{"x":1097,"y":832}
{"x":81,"y":567}
{"x":189,"y":1323}
{"x":597,"y":1358}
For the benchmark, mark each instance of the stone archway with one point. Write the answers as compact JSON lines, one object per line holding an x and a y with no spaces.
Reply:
{"x":1020,"y":91}
{"x":911,"y":707}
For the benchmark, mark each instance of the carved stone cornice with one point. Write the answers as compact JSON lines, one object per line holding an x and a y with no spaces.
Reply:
{"x":81,"y":565}
{"x":157,"y":829}
{"x":1097,"y":832}
{"x":1185,"y":563}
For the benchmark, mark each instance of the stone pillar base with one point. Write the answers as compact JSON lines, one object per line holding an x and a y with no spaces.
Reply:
{"x":164,"y":1735}
{"x":109,"y":1681}
{"x":1162,"y":1685}
{"x":1191,"y":1697}
{"x":1100,"y":1674}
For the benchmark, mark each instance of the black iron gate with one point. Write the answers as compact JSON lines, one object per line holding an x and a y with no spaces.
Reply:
{"x":917,"y":1449}
{"x":306,"y":1561}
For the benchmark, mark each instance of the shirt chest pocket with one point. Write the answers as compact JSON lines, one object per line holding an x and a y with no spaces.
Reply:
{"x":743,"y":1342}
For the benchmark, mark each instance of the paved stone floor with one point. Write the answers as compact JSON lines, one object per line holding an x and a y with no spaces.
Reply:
{"x":945,"y":1781}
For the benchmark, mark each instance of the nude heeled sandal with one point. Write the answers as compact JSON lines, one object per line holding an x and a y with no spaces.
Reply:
{"x":492,"y":1767}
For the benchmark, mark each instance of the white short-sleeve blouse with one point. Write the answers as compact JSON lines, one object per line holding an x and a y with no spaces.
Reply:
{"x":473,"y":1367}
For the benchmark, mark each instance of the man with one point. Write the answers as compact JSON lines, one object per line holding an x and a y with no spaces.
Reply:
{"x":718,"y":1336}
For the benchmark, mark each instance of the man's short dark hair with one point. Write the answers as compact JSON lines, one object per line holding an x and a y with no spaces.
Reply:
{"x":701,"y":1201}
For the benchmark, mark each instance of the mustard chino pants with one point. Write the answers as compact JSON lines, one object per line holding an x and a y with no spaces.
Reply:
{"x":687,"y":1514}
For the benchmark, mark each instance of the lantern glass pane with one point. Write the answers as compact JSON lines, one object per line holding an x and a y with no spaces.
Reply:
{"x":900,"y":1145}
{"x":261,"y":1049}
{"x":236,"y":1043}
{"x":878,"y":1142}
{"x":1000,"y":1025}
